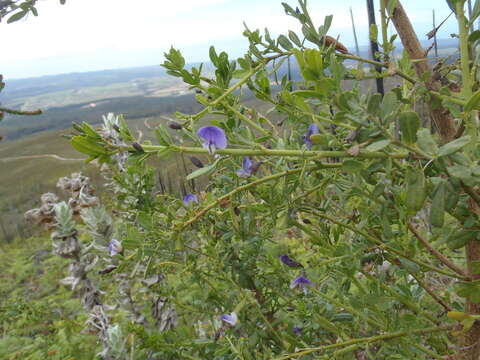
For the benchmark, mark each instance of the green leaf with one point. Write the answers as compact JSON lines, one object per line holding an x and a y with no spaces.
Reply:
{"x":374,"y":103}
{"x":17,"y":16}
{"x":85,"y":146}
{"x":474,"y":36}
{"x":323,"y":30}
{"x":457,"y":315}
{"x":454,"y":146}
{"x":308,"y":94}
{"x":410,"y":266}
{"x":295,"y":39}
{"x":378,"y":145}
{"x":473,"y":103}
{"x":475,"y":12}
{"x":416,"y":189}
{"x":409,"y":124}
{"x":213,"y":56}
{"x":459,"y":238}
{"x":460,"y":171}
{"x":426,"y":142}
{"x":352,"y":166}
{"x":389,"y":105}
{"x":202,"y":171}
{"x":284,"y":42}
{"x":437,"y":210}
{"x":90,"y":131}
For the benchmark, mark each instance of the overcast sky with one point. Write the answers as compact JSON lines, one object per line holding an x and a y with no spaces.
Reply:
{"x":87,"y":35}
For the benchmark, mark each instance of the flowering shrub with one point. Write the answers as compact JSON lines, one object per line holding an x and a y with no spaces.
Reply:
{"x":333,"y":232}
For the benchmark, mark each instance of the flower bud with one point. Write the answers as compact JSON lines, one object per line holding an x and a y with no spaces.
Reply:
{"x":174,"y":125}
{"x":138,"y":147}
{"x":196,"y":161}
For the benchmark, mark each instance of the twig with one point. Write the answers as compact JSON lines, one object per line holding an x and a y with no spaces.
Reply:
{"x":435,"y":252}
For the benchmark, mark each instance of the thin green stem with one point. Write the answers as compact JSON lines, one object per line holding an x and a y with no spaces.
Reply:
{"x":370,"y":339}
{"x":245,"y":187}
{"x":230,"y":90}
{"x":384,"y":246}
{"x":246,"y":119}
{"x":276,"y":152}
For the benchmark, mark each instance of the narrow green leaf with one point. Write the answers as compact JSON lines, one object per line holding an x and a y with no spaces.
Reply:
{"x":454,"y":146}
{"x":474,"y":36}
{"x":409,"y":124}
{"x":473,"y":103}
{"x":378,"y":145}
{"x":295,"y":39}
{"x":284,"y":42}
{"x":426,"y":142}
{"x":416,"y":189}
{"x":202,"y":171}
{"x":437,"y":210}
{"x":17,"y":16}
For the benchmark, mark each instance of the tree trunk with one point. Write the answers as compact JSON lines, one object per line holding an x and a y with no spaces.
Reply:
{"x":440,"y":115}
{"x":470,"y":347}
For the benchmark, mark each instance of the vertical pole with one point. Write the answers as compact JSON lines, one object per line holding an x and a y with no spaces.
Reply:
{"x":435,"y":35}
{"x":374,"y":45}
{"x":357,"y":49}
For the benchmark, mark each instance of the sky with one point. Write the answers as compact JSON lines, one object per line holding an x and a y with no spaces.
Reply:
{"x":90,"y":35}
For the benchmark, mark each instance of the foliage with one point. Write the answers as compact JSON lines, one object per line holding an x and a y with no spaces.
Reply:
{"x":39,"y":318}
{"x":349,"y":249}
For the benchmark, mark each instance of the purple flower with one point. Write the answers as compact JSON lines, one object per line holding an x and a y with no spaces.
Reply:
{"x":230,"y":318}
{"x":297,"y":331}
{"x":213,"y":138}
{"x":190,"y":198}
{"x":115,"y":247}
{"x":312,"y":130}
{"x":247,"y":167}
{"x":287,"y":260}
{"x":301,"y":281}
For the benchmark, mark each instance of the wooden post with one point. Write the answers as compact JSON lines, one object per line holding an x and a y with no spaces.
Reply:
{"x":374,"y":45}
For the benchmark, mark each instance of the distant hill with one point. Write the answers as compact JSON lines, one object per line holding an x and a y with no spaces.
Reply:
{"x":136,"y":92}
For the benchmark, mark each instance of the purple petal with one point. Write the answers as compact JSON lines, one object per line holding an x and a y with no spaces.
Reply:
{"x":301,"y":281}
{"x":190,"y":198}
{"x":312,"y":130}
{"x":297,"y":331}
{"x":246,"y":169}
{"x":115,"y":247}
{"x":230,"y":318}
{"x":242,"y":173}
{"x":287,"y":260}
{"x":213,"y":138}
{"x":247,"y":164}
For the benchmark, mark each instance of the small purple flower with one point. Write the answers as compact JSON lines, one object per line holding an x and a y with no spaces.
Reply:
{"x":287,"y":260}
{"x":312,"y":130}
{"x":190,"y":198}
{"x":247,"y":167}
{"x":297,"y":331}
{"x":115,"y":247}
{"x":301,"y":281}
{"x":230,"y":318}
{"x":213,"y":138}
